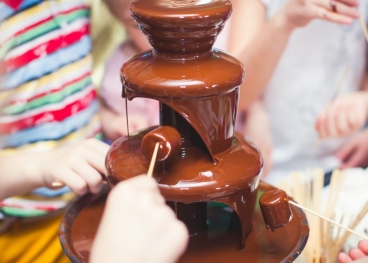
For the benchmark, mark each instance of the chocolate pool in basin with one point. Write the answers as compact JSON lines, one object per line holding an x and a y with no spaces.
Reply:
{"x":208,"y":173}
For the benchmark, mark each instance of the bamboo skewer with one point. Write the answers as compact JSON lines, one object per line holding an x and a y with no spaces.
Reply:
{"x":326,"y":241}
{"x":56,"y":185}
{"x":340,"y":84}
{"x":360,"y":216}
{"x":153,"y":160}
{"x":327,"y":219}
{"x":338,"y":88}
{"x":364,"y":27}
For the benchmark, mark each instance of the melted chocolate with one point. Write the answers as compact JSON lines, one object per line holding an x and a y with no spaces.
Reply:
{"x":197,"y":88}
{"x":275,"y":209}
{"x":169,"y":141}
{"x":191,"y":176}
{"x":182,"y":72}
{"x":217,"y":244}
{"x":198,"y":92}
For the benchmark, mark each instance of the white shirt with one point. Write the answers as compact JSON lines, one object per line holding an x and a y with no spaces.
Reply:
{"x":304,"y":82}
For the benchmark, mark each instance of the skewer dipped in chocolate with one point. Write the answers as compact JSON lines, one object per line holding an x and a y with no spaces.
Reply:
{"x":275,"y":209}
{"x":169,"y":141}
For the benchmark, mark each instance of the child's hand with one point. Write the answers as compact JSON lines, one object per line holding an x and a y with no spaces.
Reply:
{"x":343,"y":116}
{"x":257,"y":129}
{"x":138,"y":226}
{"x":359,"y":254}
{"x":355,"y":151}
{"x":298,"y":13}
{"x":78,"y":166}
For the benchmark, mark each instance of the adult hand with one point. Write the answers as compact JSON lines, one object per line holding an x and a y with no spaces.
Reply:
{"x":355,"y":152}
{"x":359,"y":254}
{"x":299,"y":13}
{"x":137,"y":226}
{"x":78,"y":166}
{"x":257,"y":129}
{"x":343,"y":116}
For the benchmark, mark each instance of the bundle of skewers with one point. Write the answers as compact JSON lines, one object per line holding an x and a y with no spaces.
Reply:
{"x":326,"y":240}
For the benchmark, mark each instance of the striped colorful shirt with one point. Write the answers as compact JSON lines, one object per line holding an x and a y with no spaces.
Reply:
{"x":46,"y":94}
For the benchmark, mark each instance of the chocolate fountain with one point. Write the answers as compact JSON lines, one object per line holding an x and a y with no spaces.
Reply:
{"x":207,"y":172}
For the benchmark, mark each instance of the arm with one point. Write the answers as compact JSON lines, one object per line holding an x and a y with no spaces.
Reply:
{"x":259,"y":44}
{"x":257,"y":128}
{"x":78,"y":166}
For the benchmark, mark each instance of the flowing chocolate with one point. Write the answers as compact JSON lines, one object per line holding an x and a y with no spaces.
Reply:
{"x":169,"y":141}
{"x":198,"y":89}
{"x":275,"y":209}
{"x":217,"y":244}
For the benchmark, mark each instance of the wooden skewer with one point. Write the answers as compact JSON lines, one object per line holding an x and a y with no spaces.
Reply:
{"x":364,"y":27}
{"x":327,"y":219}
{"x":336,"y":93}
{"x":57,"y":185}
{"x":153,"y":160}
{"x":354,"y":224}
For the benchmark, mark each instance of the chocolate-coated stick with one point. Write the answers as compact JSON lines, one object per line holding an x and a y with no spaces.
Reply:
{"x":153,"y":160}
{"x":327,"y":219}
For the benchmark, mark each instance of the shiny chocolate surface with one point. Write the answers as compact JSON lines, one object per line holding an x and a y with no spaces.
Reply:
{"x":219,"y":243}
{"x":275,"y":209}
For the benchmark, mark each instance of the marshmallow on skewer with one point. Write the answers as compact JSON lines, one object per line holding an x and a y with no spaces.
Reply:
{"x":275,"y":209}
{"x":169,"y":140}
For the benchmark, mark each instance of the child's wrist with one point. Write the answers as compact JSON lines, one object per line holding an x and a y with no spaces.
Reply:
{"x":282,"y":23}
{"x":33,"y":170}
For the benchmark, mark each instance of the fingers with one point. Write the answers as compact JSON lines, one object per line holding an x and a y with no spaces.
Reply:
{"x":95,"y":160}
{"x":342,"y":117}
{"x":350,"y":2}
{"x":356,"y":253}
{"x":78,"y":166}
{"x":343,"y":258}
{"x":71,"y":179}
{"x":95,"y":152}
{"x":342,"y":7}
{"x":363,"y":246}
{"x":328,"y":15}
{"x":97,"y":145}
{"x":93,"y":179}
{"x":345,"y":151}
{"x":355,"y":159}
